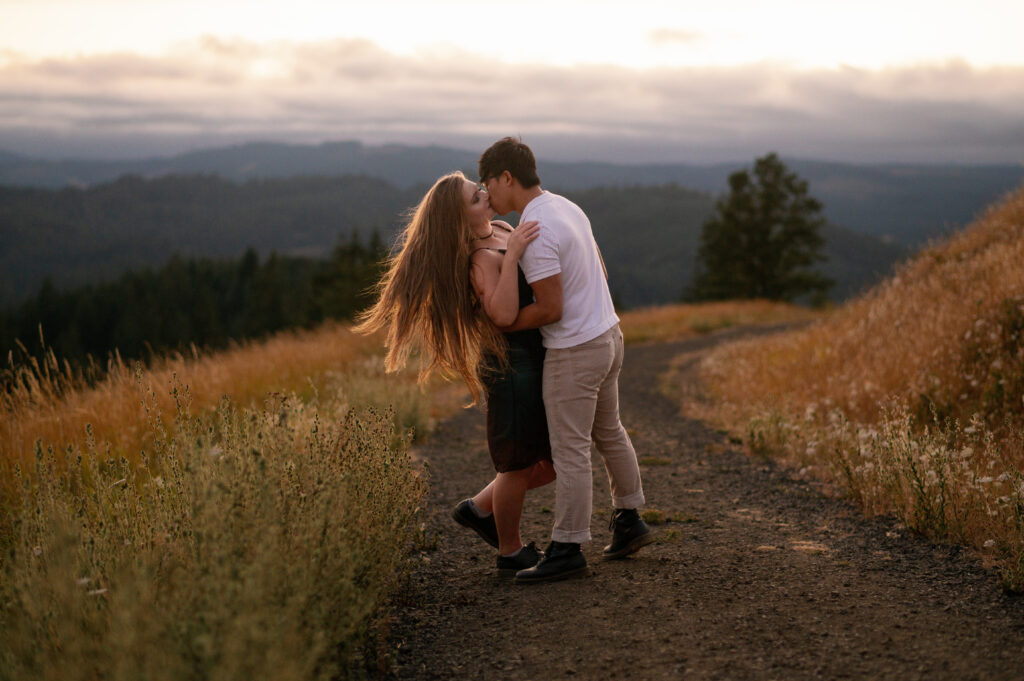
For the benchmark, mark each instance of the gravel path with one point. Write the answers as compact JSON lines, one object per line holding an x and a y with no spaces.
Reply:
{"x":757,"y":575}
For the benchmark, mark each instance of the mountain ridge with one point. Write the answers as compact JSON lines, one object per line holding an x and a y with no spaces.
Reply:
{"x":78,"y":236}
{"x":907,"y":203}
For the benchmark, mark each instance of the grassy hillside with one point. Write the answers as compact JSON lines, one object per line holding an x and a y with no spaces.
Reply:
{"x":911,"y":397}
{"x":211,"y":517}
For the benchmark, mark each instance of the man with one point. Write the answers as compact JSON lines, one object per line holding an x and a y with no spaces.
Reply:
{"x":573,"y":308}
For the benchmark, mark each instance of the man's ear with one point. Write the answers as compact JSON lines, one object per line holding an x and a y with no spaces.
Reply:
{"x":506,"y":176}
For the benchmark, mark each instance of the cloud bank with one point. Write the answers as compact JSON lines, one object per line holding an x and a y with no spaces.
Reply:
{"x":216,"y":91}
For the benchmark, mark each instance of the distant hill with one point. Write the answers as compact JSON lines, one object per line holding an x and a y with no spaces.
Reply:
{"x":909,"y":204}
{"x":74,"y":236}
{"x":79,"y":236}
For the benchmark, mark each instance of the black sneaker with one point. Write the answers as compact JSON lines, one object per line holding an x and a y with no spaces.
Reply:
{"x":526,"y":558}
{"x":485,"y":527}
{"x":561,"y":561}
{"x":630,"y":533}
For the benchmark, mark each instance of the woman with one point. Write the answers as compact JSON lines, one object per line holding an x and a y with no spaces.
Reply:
{"x":454,"y":282}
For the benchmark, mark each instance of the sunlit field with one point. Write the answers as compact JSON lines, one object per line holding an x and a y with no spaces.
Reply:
{"x":213,"y":516}
{"x":910,"y":397}
{"x":52,"y":403}
{"x":676,"y":322}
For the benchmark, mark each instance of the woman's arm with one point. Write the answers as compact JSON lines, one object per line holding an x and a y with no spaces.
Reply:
{"x":497,"y":283}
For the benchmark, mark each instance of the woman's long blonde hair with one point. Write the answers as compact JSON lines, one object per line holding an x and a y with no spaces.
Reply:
{"x":425,"y":297}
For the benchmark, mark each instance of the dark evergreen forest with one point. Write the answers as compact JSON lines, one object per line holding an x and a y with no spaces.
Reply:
{"x":202,"y":302}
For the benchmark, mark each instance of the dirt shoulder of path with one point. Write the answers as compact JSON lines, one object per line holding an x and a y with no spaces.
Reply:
{"x":757,"y":574}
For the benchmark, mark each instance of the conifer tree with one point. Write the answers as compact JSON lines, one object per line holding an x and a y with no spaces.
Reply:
{"x":762,"y":239}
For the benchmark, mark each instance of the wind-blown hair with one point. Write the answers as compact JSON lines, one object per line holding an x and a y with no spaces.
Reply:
{"x":425,"y":297}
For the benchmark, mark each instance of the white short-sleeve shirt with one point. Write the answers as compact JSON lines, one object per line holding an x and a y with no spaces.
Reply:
{"x":566,"y":245}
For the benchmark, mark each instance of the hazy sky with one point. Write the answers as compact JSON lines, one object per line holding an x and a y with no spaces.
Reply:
{"x":899,"y":80}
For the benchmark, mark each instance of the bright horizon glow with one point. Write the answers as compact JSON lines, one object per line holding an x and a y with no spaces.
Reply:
{"x":643,"y":34}
{"x":889,"y":80}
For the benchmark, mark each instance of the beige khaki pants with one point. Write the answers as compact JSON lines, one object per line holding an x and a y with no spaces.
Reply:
{"x":581,"y":398}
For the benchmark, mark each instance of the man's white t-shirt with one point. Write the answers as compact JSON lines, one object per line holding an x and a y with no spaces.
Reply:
{"x":566,"y":245}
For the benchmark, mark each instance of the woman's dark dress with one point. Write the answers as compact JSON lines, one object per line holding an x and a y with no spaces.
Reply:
{"x":517,"y":429}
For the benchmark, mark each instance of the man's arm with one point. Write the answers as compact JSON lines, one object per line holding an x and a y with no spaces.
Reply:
{"x":546,"y":308}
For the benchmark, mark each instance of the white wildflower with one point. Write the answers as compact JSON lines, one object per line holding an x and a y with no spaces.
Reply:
{"x":82,"y":581}
{"x":990,"y":543}
{"x":966,"y":452}
{"x":215,"y":451}
{"x":1003,"y":477}
{"x":985,"y":480}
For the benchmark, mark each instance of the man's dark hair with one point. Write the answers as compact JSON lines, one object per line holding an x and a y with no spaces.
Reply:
{"x":512,"y":155}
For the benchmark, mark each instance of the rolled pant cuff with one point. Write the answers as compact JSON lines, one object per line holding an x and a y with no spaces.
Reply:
{"x":630,"y":501}
{"x":578,"y":537}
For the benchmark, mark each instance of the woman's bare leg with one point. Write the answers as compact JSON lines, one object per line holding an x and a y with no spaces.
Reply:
{"x":541,"y":473}
{"x":507,"y":497}
{"x":504,"y":497}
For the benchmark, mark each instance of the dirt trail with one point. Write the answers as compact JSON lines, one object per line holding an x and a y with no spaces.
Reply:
{"x":760,"y":576}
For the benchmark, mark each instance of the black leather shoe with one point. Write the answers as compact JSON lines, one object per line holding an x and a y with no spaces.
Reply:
{"x":485,"y":527}
{"x":526,"y":558}
{"x":560,"y":561}
{"x":630,"y":533}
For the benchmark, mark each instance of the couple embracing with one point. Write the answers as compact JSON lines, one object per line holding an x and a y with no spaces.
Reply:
{"x":525,"y":317}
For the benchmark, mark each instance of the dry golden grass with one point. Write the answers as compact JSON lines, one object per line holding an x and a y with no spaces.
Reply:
{"x":676,"y":322}
{"x":247,"y":540}
{"x":209,"y":517}
{"x":911,"y":395}
{"x":50,"y":403}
